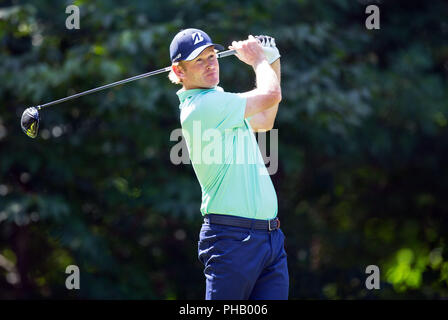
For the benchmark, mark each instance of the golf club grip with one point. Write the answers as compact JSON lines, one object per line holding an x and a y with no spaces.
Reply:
{"x":226,"y":53}
{"x":113,"y":84}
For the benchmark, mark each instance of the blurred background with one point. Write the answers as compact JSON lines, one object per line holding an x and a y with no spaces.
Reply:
{"x":363,"y":147}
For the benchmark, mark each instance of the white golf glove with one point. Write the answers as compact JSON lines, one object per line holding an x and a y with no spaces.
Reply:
{"x":270,"y":50}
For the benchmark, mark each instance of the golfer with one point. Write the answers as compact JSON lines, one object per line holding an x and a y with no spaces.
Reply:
{"x":240,"y":242}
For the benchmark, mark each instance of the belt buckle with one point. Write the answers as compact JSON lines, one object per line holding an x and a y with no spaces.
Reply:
{"x":273,"y":220}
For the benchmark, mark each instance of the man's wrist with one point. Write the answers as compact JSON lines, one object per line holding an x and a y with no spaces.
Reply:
{"x":259,"y":62}
{"x":278,"y":59}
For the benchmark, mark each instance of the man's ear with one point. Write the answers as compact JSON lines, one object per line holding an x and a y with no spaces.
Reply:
{"x":179,"y":71}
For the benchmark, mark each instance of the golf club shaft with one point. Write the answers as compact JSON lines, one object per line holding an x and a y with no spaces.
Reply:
{"x":113,"y":84}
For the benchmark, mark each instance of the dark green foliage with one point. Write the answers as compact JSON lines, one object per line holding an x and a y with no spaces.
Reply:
{"x":362,"y":147}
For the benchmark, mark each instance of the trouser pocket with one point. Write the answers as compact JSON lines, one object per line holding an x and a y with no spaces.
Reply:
{"x":218,"y":240}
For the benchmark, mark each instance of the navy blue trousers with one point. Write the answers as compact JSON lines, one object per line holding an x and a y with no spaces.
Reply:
{"x":243,"y":264}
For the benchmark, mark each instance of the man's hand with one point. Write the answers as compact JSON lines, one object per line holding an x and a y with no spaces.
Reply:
{"x":269,"y":48}
{"x":249,"y":51}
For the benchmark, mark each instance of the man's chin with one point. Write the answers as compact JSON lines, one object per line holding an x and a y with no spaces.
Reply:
{"x":211,"y":85}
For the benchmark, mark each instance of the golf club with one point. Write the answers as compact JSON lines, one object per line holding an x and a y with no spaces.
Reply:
{"x":30,"y":117}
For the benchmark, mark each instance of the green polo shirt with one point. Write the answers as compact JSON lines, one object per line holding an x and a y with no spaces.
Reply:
{"x":225,"y":155}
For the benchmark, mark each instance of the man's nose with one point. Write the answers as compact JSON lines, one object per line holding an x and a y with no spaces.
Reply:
{"x":211,"y":64}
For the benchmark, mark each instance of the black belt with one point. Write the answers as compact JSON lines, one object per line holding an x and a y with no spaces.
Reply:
{"x":268,"y":225}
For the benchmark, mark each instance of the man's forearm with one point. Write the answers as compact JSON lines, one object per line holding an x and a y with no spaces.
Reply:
{"x":266,"y":80}
{"x":270,"y":114}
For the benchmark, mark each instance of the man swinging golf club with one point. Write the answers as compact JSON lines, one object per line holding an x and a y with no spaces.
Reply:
{"x":240,"y":242}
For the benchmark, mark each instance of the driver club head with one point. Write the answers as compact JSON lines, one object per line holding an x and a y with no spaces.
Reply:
{"x":30,"y":122}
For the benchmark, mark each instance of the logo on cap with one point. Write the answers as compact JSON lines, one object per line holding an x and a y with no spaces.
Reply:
{"x":197,"y":37}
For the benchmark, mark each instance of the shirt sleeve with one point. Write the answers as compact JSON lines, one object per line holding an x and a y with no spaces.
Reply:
{"x":221,"y":110}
